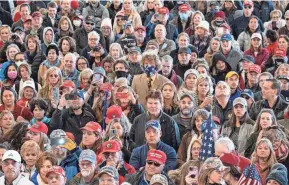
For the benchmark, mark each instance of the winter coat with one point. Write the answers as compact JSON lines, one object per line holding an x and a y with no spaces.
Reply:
{"x":241,"y":23}
{"x":172,"y":31}
{"x":19,"y":111}
{"x":76,"y":180}
{"x":34,"y":60}
{"x":47,"y":22}
{"x":283,"y":31}
{"x":250,"y":144}
{"x":233,"y":58}
{"x":180,"y":69}
{"x":279,"y":24}
{"x":139,"y":155}
{"x":244,"y":39}
{"x":112,"y":11}
{"x":66,"y":120}
{"x":135,"y":110}
{"x":278,"y":108}
{"x":177,"y":21}
{"x":224,"y":114}
{"x":260,"y":58}
{"x":5,"y":17}
{"x":99,"y":13}
{"x":20,"y":180}
{"x":175,"y":79}
{"x":263,"y":9}
{"x":166,"y":47}
{"x":217,"y":74}
{"x":70,"y":163}
{"x":202,"y":45}
{"x":135,"y":69}
{"x":170,"y":130}
{"x":85,"y":52}
{"x":44,"y":67}
{"x":73,"y":76}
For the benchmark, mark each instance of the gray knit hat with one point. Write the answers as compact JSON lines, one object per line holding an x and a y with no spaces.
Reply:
{"x":279,"y":174}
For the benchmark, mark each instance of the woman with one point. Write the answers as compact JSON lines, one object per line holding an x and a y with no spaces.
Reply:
{"x":196,"y":18}
{"x":10,"y":75}
{"x":191,"y":135}
{"x":44,"y":163}
{"x":27,"y":94}
{"x":211,"y":172}
{"x":231,"y":161}
{"x":245,"y":37}
{"x":263,"y":158}
{"x":212,"y":49}
{"x":276,"y":21}
{"x":204,"y":92}
{"x":81,"y":63}
{"x":265,"y":119}
{"x":220,"y":67}
{"x":65,"y":28}
{"x":33,"y":54}
{"x":149,"y":9}
{"x":92,"y":139}
{"x":119,"y":21}
{"x":272,"y":41}
{"x":126,"y":98}
{"x":7,"y":122}
{"x":84,"y":79}
{"x":38,"y":133}
{"x":239,"y":126}
{"x":107,"y":31}
{"x":256,"y":50}
{"x":283,"y":43}
{"x":5,"y":32}
{"x":229,"y":8}
{"x":66,"y":45}
{"x":189,"y":84}
{"x":169,"y":92}
{"x":39,"y":108}
{"x":115,"y":51}
{"x":107,"y":65}
{"x":282,"y":70}
{"x":114,"y":7}
{"x":122,"y":136}
{"x":53,"y":79}
{"x":194,"y":150}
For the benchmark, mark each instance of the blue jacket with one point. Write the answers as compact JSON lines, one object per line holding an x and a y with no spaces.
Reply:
{"x":3,"y":68}
{"x":139,"y":155}
{"x":70,"y":163}
{"x":235,"y":95}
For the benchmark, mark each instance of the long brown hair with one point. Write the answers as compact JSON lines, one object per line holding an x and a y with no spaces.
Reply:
{"x":185,"y":169}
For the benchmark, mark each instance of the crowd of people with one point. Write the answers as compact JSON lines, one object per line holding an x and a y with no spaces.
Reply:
{"x":147,"y":92}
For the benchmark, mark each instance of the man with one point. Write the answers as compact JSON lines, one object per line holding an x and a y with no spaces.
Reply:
{"x":182,"y":42}
{"x":170,"y":130}
{"x":56,"y":176}
{"x":271,"y":99}
{"x":184,"y":64}
{"x":129,"y":39}
{"x":66,"y":152}
{"x":150,"y":79}
{"x":285,"y":29}
{"x":161,"y":17}
{"x":262,"y":9}
{"x":81,"y":34}
{"x":52,"y":18}
{"x":232,"y":79}
{"x":155,"y":163}
{"x":153,"y":135}
{"x":95,"y":9}
{"x":111,"y":150}
{"x":252,"y":75}
{"x":187,"y":107}
{"x":11,"y":164}
{"x":223,"y":107}
{"x":66,"y":9}
{"x":24,"y":12}
{"x":167,"y":71}
{"x":233,"y":56}
{"x":134,"y":61}
{"x":261,"y":79}
{"x":36,"y":28}
{"x":27,"y":24}
{"x":5,"y":17}
{"x":88,"y":170}
{"x":69,"y":71}
{"x":140,"y":35}
{"x":248,"y":95}
{"x":165,"y":45}
{"x":121,"y":70}
{"x":108,"y":175}
{"x":73,"y":118}
{"x":183,"y":19}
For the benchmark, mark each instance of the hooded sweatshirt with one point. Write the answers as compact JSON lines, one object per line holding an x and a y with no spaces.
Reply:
{"x":217,"y":74}
{"x":45,"y":43}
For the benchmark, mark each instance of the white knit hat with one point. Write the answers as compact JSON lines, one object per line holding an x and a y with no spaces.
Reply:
{"x":106,"y":22}
{"x":204,"y":24}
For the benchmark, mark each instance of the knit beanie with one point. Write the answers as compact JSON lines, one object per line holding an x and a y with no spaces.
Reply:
{"x":52,"y":46}
{"x":106,"y":22}
{"x":279,"y":174}
{"x":194,"y":50}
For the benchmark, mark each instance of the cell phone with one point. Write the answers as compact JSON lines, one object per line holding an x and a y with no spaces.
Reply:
{"x":97,"y":77}
{"x":193,"y":172}
{"x":121,"y":95}
{"x":55,"y":93}
{"x":112,"y":133}
{"x":125,"y":18}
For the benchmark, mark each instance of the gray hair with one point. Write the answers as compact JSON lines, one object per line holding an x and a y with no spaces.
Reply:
{"x":11,"y":46}
{"x":72,"y":55}
{"x":286,"y":13}
{"x":225,"y":141}
{"x":167,"y":58}
{"x":94,"y":33}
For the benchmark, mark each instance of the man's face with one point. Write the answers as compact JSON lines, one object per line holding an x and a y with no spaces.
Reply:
{"x":86,"y":168}
{"x":65,"y":5}
{"x":160,"y":32}
{"x":248,"y":9}
{"x":222,"y":90}
{"x":152,"y":135}
{"x":89,"y":26}
{"x":166,"y":68}
{"x":220,"y":149}
{"x":183,"y":41}
{"x":11,"y":169}
{"x":233,"y":82}
{"x":120,"y":67}
{"x":60,"y":153}
{"x":37,"y":21}
{"x":184,"y":58}
{"x":152,"y":168}
{"x":267,"y":90}
{"x":49,"y":36}
{"x":69,"y":63}
{"x":56,"y":179}
{"x":27,"y":25}
{"x":8,"y":98}
{"x":140,"y":34}
{"x":252,"y":77}
{"x":163,"y":18}
{"x":154,"y":106}
{"x":92,"y":41}
{"x":133,"y":57}
{"x":129,"y":30}
{"x":106,"y":179}
{"x":52,"y":11}
{"x":76,"y":103}
{"x":24,"y":11}
{"x":226,"y":45}
{"x":186,"y":106}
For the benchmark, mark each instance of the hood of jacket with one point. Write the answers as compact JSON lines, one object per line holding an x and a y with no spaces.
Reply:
{"x":219,"y":56}
{"x":53,"y":35}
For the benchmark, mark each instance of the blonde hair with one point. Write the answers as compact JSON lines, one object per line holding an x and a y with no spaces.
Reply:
{"x":11,"y":46}
{"x":151,"y":55}
{"x":30,"y":146}
{"x":87,"y":72}
{"x":63,"y":18}
{"x":3,"y":113}
{"x":208,"y":79}
{"x":35,"y":39}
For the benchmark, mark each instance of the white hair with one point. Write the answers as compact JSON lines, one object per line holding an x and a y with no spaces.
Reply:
{"x":94,"y":33}
{"x":225,"y":141}
{"x":167,"y":58}
{"x":72,"y":55}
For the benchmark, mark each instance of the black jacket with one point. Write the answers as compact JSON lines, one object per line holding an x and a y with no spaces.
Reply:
{"x":47,"y":22}
{"x":223,"y":114}
{"x":135,"y":110}
{"x":112,"y":11}
{"x":180,"y":70}
{"x":34,"y":60}
{"x":250,"y":145}
{"x":5,"y":17}
{"x":66,"y":120}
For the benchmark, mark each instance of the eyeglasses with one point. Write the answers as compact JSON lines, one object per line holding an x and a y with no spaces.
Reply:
{"x":246,"y":97}
{"x":153,"y":163}
{"x":92,"y":39}
{"x":90,"y":23}
{"x":53,"y":75}
{"x":81,"y":64}
{"x":247,"y":7}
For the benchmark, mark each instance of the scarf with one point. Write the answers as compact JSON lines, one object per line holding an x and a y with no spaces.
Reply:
{"x":45,"y":120}
{"x":48,"y":65}
{"x":201,"y":43}
{"x":281,"y":153}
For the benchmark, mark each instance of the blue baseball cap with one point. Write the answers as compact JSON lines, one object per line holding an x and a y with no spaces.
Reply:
{"x":88,"y":155}
{"x":99,"y":70}
{"x":153,"y":124}
{"x":248,"y":92}
{"x":227,"y":37}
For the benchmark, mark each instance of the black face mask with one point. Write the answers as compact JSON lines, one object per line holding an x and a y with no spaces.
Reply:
{"x":120,"y":74}
{"x":279,"y":61}
{"x":219,"y":23}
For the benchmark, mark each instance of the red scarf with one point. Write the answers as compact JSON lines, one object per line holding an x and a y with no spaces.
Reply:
{"x":281,"y":153}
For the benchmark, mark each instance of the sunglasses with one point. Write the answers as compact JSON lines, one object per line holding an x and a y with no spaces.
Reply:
{"x":153,"y":163}
{"x":92,"y":24}
{"x":246,"y":97}
{"x":247,"y":7}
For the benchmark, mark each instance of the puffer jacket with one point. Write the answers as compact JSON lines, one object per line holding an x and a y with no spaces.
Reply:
{"x":250,"y":144}
{"x":135,"y":110}
{"x":278,"y":108}
{"x":244,"y":39}
{"x":170,"y":130}
{"x":70,"y":163}
{"x":224,"y":114}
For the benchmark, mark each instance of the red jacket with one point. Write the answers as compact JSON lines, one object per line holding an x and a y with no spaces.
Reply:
{"x":260,"y":58}
{"x":19,"y":111}
{"x":272,"y":47}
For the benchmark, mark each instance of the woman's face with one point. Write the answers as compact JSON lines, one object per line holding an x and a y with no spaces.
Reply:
{"x":11,"y":52}
{"x":191,"y":81}
{"x":8,"y":98}
{"x":30,"y":158}
{"x":65,"y":46}
{"x":124,"y":102}
{"x":272,"y":182}
{"x":64,"y":25}
{"x":197,"y":19}
{"x":228,"y":4}
{"x":150,"y":4}
{"x":256,"y":42}
{"x":253,"y":24}
{"x":107,"y":67}
{"x":196,"y":150}
{"x":12,"y":68}
{"x":35,"y":136}
{"x":85,"y":80}
{"x":31,"y":44}
{"x":24,"y":73}
{"x":89,"y":138}
{"x":203,"y":87}
{"x":221,"y":65}
{"x":28,"y":93}
{"x":45,"y":167}
{"x":283,"y":44}
{"x":215,"y":45}
{"x":53,"y":78}
{"x":168,"y":92}
{"x":117,"y":126}
{"x":7,"y":122}
{"x":183,"y":41}
{"x":239,"y":110}
{"x":275,"y":17}
{"x":198,"y":122}
{"x":38,"y":113}
{"x":263,"y":151}
{"x":284,"y":70}
{"x":127,"y":4}
{"x":81,"y":64}
{"x":52,"y":56}
{"x":115,"y":53}
{"x":216,"y":177}
{"x":4,"y":33}
{"x":106,"y":30}
{"x":265,"y":120}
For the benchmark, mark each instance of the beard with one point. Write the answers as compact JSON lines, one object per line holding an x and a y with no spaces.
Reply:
{"x":186,"y":111}
{"x":86,"y":172}
{"x":75,"y":107}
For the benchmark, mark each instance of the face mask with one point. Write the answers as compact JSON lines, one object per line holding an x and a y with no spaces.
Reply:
{"x":12,"y":75}
{"x":120,"y":74}
{"x":219,"y":23}
{"x":77,"y":23}
{"x":150,"y":71}
{"x":279,"y":61}
{"x":184,"y":16}
{"x":19,"y":63}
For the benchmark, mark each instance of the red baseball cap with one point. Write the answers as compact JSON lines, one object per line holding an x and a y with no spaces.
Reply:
{"x":28,"y":18}
{"x":157,"y":156}
{"x":248,"y":2}
{"x":226,"y":26}
{"x":230,"y":158}
{"x":67,"y":84}
{"x":163,"y":10}
{"x":56,"y":169}
{"x":254,"y":68}
{"x":39,"y":127}
{"x":140,"y":27}
{"x":280,"y":52}
{"x":112,"y":112}
{"x":110,"y":146}
{"x":184,"y":8}
{"x":36,"y":14}
{"x":92,"y":126}
{"x":220,"y":14}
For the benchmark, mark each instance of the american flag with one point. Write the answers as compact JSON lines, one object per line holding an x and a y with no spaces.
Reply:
{"x":208,"y":145}
{"x":250,"y":176}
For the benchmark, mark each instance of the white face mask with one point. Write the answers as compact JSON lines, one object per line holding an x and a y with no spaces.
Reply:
{"x":19,"y":63}
{"x":77,"y":23}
